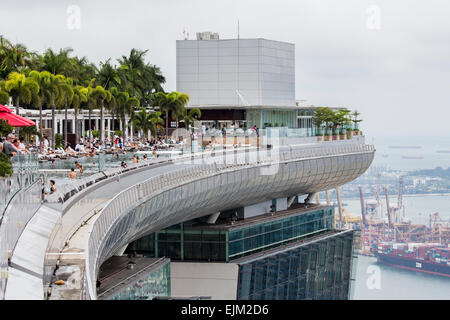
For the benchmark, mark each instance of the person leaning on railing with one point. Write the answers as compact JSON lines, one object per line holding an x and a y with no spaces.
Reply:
{"x":8,"y":146}
{"x":20,"y":147}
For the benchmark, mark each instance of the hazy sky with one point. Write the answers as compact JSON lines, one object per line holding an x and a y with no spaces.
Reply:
{"x":388,"y":59}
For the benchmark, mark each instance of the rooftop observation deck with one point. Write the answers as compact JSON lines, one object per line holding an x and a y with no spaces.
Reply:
{"x":91,"y":220}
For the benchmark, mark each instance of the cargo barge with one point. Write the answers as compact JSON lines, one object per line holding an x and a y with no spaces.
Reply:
{"x":421,"y":257}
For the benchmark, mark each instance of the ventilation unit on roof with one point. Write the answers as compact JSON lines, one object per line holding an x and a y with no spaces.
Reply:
{"x":207,"y":36}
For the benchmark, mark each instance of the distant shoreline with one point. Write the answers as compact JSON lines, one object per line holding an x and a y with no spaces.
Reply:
{"x":409,"y":195}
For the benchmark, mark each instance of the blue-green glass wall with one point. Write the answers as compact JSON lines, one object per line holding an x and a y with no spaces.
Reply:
{"x":278,"y":118}
{"x":181,"y":243}
{"x":319,"y":271}
{"x":271,"y":118}
{"x":264,"y":235}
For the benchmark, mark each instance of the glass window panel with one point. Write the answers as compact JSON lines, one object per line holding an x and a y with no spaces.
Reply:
{"x":173,"y":236}
{"x":162,"y":235}
{"x":188,"y":236}
{"x":235,"y":234}
{"x":207,"y":237}
{"x":236,"y":247}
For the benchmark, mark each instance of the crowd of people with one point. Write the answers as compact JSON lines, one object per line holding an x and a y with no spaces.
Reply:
{"x":13,"y":145}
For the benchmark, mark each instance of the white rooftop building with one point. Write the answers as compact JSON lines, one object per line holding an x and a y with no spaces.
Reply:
{"x":256,"y":76}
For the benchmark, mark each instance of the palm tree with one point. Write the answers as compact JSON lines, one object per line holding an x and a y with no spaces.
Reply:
{"x":52,"y":86}
{"x":163,"y":101}
{"x":4,"y":96}
{"x":155,"y":119}
{"x":125,"y":106}
{"x":190,"y":116}
{"x":171,"y":103}
{"x":108,"y":75}
{"x":79,"y":97}
{"x":138,"y":78}
{"x":57,"y":63}
{"x":180,"y":101}
{"x":13,"y":57}
{"x":89,"y":103}
{"x":67,"y":95}
{"x":82,"y":71}
{"x":113,"y":105}
{"x":21,"y":88}
{"x":141,"y":121}
{"x":133,"y":67}
{"x":147,"y":121}
{"x":101,"y":95}
{"x":5,"y":46}
{"x":41,"y":78}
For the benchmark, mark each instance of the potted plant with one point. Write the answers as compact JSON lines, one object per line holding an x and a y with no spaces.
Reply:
{"x":6,"y":169}
{"x":328,"y":119}
{"x":343,"y":120}
{"x":335,"y":120}
{"x":318,"y":119}
{"x":348,"y":131}
{"x":356,"y":122}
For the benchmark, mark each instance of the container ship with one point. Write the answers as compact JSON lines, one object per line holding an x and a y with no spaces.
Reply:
{"x":422,"y":257}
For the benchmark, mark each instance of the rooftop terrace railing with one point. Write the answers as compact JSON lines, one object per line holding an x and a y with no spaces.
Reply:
{"x":20,"y":197}
{"x":67,"y":191}
{"x":133,"y":195}
{"x":25,"y":172}
{"x":19,"y":211}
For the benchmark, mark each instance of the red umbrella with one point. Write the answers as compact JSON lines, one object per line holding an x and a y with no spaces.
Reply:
{"x":4,"y":109}
{"x":14,"y":119}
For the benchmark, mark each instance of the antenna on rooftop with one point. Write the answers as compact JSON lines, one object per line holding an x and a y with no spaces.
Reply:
{"x":238,"y":29}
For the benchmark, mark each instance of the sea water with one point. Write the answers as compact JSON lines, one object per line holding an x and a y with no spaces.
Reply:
{"x":382,"y":282}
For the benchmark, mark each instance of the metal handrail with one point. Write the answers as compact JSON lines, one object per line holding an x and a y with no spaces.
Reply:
{"x":65,"y":192}
{"x":19,"y":211}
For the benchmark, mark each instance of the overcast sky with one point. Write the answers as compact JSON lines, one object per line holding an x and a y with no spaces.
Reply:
{"x":388,"y":59}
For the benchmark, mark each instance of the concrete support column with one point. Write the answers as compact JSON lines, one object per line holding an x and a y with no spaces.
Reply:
{"x":121,"y":251}
{"x":213,"y":218}
{"x":131,"y":131}
{"x":109,"y":128}
{"x":317,"y":198}
{"x":73,"y":126}
{"x":290,"y":200}
{"x":310,"y":197}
